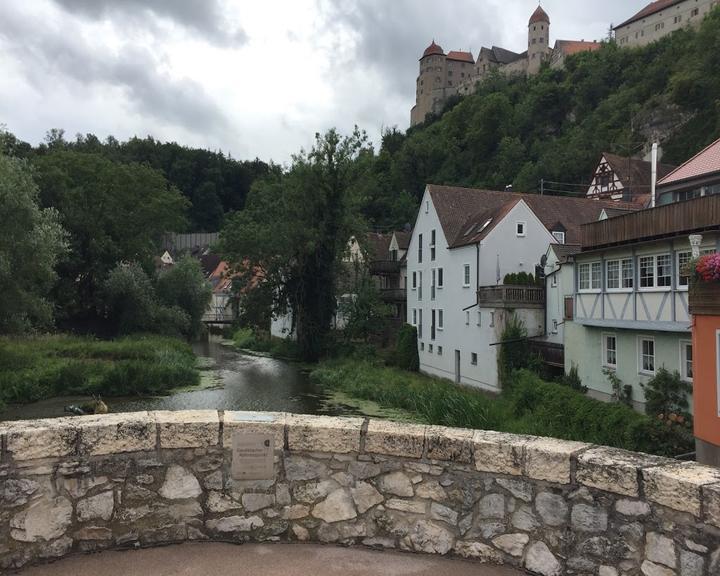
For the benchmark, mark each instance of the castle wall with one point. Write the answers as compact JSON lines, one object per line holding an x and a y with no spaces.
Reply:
{"x":78,"y":485}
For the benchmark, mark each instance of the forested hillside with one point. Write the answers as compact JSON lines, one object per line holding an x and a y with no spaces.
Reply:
{"x":555,"y":125}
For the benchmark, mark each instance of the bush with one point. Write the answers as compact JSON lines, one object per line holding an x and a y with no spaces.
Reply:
{"x":407,"y":356}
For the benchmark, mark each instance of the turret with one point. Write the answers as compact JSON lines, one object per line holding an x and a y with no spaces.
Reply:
{"x":538,"y":39}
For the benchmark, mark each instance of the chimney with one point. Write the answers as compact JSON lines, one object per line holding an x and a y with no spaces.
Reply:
{"x":653,"y":174}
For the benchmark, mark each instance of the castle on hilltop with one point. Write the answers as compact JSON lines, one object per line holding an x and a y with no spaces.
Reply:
{"x":445,"y":75}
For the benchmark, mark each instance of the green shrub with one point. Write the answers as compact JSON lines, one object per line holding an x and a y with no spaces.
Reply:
{"x":407,"y":356}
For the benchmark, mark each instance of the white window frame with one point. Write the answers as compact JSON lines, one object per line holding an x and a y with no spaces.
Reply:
{"x":518,"y":233}
{"x":605,"y":350}
{"x":641,"y":370}
{"x":441,"y":320}
{"x":683,"y":360}
{"x":559,"y":236}
{"x":655,"y":276}
{"x":591,"y":266}
{"x":678,"y":270}
{"x":466,"y":275}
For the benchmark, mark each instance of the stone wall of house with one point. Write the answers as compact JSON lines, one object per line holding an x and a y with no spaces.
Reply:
{"x":550,"y":506}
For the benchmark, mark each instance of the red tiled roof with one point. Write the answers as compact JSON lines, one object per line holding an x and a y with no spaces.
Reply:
{"x":539,"y":16}
{"x":432,"y":50}
{"x":461,"y":56}
{"x":569,"y":47}
{"x":705,"y":162}
{"x":649,"y":10}
{"x":467,"y":215}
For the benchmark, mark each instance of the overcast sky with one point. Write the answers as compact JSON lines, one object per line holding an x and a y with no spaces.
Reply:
{"x":256,"y":78}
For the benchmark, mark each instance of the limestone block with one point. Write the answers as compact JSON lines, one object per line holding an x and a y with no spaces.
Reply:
{"x":116,"y":433}
{"x":51,"y":438}
{"x":540,"y":560}
{"x":99,"y":507}
{"x":44,"y":520}
{"x":254,"y":423}
{"x":323,"y":433}
{"x":450,"y":444}
{"x":179,"y":484}
{"x":499,"y":452}
{"x":678,"y":486}
{"x":614,"y":470}
{"x":338,"y":506}
{"x":711,"y":495}
{"x":395,"y":439}
{"x":187,"y":428}
{"x":550,"y":459}
{"x":513,"y":544}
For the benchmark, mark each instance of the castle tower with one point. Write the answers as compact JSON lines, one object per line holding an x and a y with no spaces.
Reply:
{"x":430,"y":82}
{"x":538,"y":40}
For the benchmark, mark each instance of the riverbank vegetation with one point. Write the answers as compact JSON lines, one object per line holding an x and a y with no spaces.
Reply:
{"x":35,"y":368}
{"x":530,"y":406}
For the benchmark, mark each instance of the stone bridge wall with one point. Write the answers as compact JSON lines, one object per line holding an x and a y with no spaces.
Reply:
{"x":552,"y":507}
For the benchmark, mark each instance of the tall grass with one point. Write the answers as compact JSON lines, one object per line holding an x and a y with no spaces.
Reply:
{"x":36,"y":368}
{"x":532,"y":406}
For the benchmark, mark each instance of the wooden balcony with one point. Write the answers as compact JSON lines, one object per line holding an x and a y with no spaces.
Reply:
{"x":687,"y":217}
{"x":384,"y":267}
{"x":391,"y":295}
{"x":511,"y":296}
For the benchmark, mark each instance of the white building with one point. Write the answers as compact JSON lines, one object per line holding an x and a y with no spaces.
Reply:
{"x":463,"y":244}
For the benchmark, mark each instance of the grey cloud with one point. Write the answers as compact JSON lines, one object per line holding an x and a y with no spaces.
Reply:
{"x":202,"y":16}
{"x":55,"y":54}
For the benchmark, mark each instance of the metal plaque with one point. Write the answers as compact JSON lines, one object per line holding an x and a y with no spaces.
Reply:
{"x":253,"y":456}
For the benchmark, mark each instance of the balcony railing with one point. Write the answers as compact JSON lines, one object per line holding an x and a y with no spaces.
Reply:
{"x":664,"y":221}
{"x":384,"y":267}
{"x":512,"y":296}
{"x":393,"y":294}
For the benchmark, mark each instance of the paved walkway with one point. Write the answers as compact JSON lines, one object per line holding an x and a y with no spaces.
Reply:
{"x":212,"y":559}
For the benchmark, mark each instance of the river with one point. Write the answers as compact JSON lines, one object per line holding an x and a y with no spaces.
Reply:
{"x":232,"y":380}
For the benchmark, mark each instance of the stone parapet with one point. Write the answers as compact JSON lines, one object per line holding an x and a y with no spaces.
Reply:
{"x":549,"y":506}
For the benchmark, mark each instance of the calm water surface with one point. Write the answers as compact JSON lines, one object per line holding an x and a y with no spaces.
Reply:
{"x":235,"y":381}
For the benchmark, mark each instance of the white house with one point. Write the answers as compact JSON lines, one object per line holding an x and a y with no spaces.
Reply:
{"x":463,"y":244}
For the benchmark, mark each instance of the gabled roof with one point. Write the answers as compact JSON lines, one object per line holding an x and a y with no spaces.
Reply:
{"x":704,"y":163}
{"x":539,"y":16}
{"x":467,"y":215}
{"x":636,"y":175}
{"x":461,"y":56}
{"x":433,"y":50}
{"x":649,"y":10}
{"x":569,"y":47}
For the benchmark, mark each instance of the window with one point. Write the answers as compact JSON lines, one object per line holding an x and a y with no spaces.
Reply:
{"x":439,"y":350}
{"x":440,"y":279}
{"x":520,"y":229}
{"x":420,"y":242}
{"x":473,"y":359}
{"x":466,"y":275}
{"x":559,"y":236}
{"x":682,"y":259}
{"x":686,"y":360}
{"x":610,"y":350}
{"x":613,"y":275}
{"x":647,"y":356}
{"x":441,"y":320}
{"x":467,"y":318}
{"x":656,"y":271}
{"x":589,"y":276}
{"x":432,"y":246}
{"x":414,"y":281}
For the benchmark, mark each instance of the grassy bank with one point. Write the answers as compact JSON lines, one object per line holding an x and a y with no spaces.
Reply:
{"x":36,"y":368}
{"x":531,"y":407}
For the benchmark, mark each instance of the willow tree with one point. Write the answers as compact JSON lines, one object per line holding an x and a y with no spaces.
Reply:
{"x":290,"y":239}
